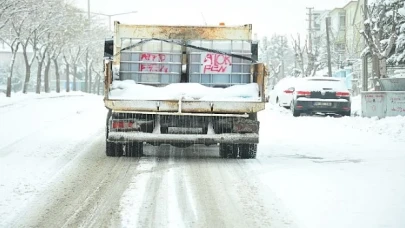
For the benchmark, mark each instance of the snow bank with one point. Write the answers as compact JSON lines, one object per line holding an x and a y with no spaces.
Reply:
{"x":129,"y":90}
{"x":356,"y":106}
{"x":20,"y":97}
{"x":335,"y":172}
{"x":391,"y":127}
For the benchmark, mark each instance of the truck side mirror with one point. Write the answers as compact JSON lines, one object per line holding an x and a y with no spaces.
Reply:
{"x":109,"y":48}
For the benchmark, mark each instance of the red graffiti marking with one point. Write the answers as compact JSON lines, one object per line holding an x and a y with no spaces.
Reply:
{"x":153,"y":57}
{"x":153,"y":67}
{"x":216,"y":63}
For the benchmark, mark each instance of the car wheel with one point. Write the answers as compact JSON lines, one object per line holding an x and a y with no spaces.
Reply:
{"x":295,"y":113}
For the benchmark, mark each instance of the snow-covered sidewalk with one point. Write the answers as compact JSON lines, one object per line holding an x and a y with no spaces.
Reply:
{"x":335,"y":172}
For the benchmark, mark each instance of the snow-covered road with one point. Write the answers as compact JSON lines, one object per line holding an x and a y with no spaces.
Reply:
{"x":310,"y":172}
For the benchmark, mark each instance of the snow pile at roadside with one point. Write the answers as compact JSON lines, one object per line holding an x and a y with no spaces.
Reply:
{"x":129,"y":90}
{"x":19,"y":97}
{"x":392,"y":127}
{"x":335,"y":172}
{"x":356,"y":106}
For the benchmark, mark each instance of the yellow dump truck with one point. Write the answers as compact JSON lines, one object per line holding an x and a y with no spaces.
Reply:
{"x":183,"y":85}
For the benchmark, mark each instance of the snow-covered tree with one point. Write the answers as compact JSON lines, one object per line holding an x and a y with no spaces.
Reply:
{"x":381,"y":31}
{"x":399,"y":54}
{"x":306,"y":57}
{"x":11,"y":28}
{"x":46,"y":31}
{"x":276,"y":54}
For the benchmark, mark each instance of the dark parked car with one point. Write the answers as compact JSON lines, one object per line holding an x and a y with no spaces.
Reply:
{"x":321,"y":95}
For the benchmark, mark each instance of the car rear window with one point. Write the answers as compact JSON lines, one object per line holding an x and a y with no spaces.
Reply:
{"x":323,"y":84}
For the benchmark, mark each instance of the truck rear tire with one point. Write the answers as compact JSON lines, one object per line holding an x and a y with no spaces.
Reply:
{"x":248,"y":151}
{"x":113,"y":149}
{"x":134,"y":149}
{"x":228,"y":151}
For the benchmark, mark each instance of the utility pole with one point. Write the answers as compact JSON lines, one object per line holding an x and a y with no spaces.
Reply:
{"x":365,"y":57}
{"x":282,"y":56}
{"x":86,"y":83}
{"x":311,"y":57}
{"x":310,"y":29}
{"x":328,"y":46}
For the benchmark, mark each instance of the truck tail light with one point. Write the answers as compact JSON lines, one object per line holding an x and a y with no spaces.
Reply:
{"x":121,"y":124}
{"x":288,"y":91}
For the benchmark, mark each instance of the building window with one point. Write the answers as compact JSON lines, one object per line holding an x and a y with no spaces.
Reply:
{"x":317,"y":24}
{"x":342,"y":20}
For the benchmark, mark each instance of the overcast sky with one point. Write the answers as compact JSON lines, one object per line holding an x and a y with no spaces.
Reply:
{"x":268,"y":17}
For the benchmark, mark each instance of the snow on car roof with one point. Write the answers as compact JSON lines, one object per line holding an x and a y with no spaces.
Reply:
{"x":323,"y":79}
{"x":322,"y":83}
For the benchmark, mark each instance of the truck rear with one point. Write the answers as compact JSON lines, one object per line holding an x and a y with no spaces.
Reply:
{"x":183,"y":85}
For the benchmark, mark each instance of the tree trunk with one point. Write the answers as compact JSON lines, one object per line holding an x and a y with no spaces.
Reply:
{"x":57,"y":75}
{"x":98,"y":84}
{"x":90,"y":81}
{"x":39,"y":76}
{"x":94,"y":86}
{"x":27,"y":72}
{"x":10,"y":76}
{"x":87,"y":73}
{"x":383,"y":68}
{"x":67,"y":78}
{"x":46,"y":79}
{"x":376,"y":68}
{"x":74,"y":77}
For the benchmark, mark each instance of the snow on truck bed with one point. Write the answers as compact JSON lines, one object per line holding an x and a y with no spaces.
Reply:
{"x":130,"y":90}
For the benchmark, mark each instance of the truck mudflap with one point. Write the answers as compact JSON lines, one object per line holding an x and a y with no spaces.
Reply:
{"x":208,"y":139}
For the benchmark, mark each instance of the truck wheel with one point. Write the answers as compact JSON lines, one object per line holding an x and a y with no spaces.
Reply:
{"x":248,"y":151}
{"x":228,"y":151}
{"x":134,"y":149}
{"x":113,"y":149}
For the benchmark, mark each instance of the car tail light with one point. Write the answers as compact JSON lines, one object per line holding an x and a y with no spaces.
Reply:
{"x":303,"y":93}
{"x":288,"y":91}
{"x":342,"y":94}
{"x":121,"y":124}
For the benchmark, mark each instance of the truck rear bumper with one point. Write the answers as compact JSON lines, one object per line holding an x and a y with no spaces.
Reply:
{"x":176,"y":107}
{"x":207,"y":139}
